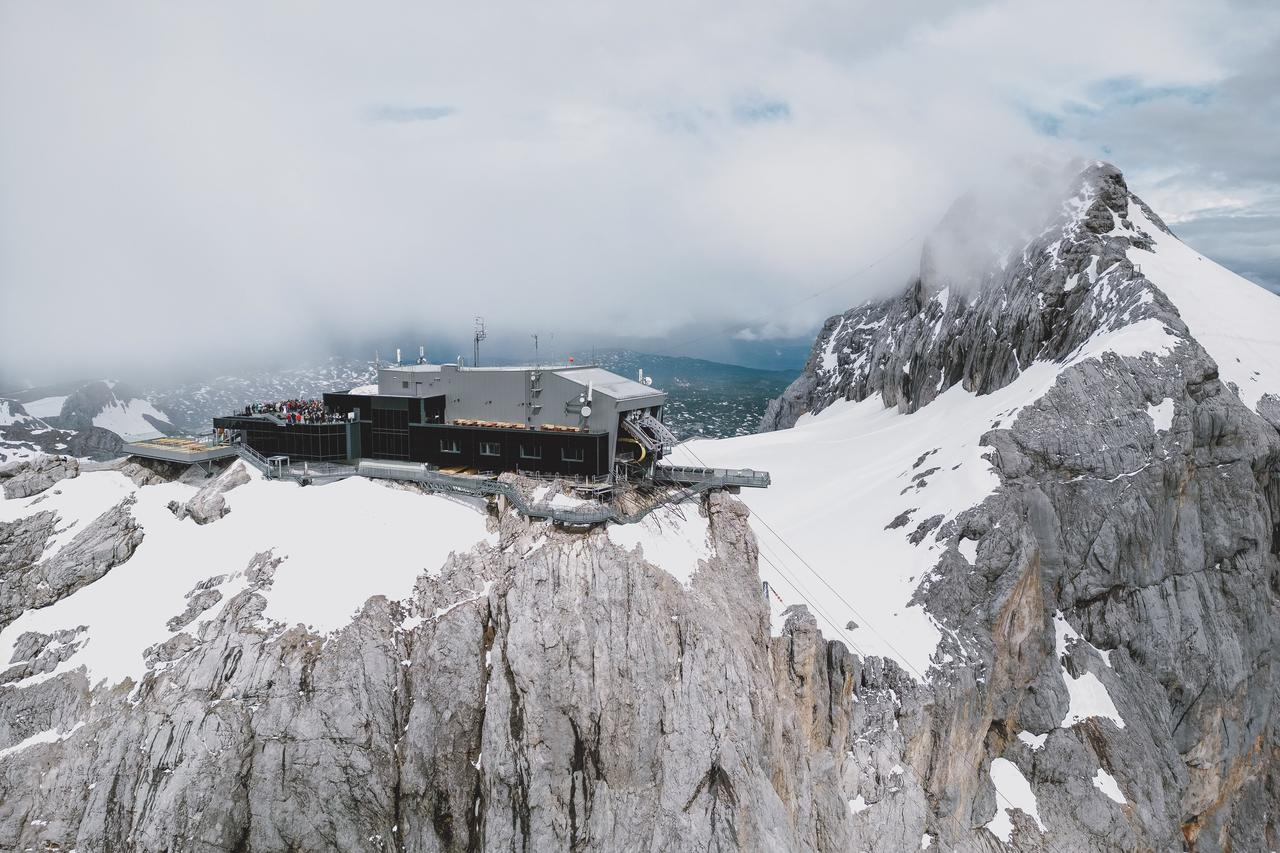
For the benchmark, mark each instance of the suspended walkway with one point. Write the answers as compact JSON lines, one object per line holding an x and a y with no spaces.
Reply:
{"x":693,"y":481}
{"x":689,"y":480}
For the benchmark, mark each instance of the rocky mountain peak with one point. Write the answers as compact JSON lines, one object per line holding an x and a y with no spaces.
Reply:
{"x":1006,"y":279}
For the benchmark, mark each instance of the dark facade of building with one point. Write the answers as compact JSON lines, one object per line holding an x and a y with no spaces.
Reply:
{"x":311,"y":442}
{"x":413,"y":430}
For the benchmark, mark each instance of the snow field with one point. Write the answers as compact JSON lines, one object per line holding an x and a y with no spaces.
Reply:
{"x":839,"y":480}
{"x":341,"y":543}
{"x":674,"y":539}
{"x":1235,"y":320}
{"x":125,"y":419}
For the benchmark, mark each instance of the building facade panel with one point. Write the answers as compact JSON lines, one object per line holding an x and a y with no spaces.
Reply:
{"x":451,"y":416}
{"x":311,"y":442}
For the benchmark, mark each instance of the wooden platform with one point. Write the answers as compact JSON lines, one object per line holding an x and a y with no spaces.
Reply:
{"x":183,"y":450}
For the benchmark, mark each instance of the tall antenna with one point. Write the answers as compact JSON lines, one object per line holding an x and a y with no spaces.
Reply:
{"x":535,"y":347}
{"x":479,"y":336}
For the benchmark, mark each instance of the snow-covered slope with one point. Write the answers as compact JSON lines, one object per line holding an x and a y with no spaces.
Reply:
{"x":1237,"y":321}
{"x":322,"y":535}
{"x":14,"y":413}
{"x":132,"y":420}
{"x":105,"y":404}
{"x":883,"y":477}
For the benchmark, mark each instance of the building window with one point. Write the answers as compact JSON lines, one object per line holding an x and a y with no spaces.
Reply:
{"x":530,"y":451}
{"x":449,"y":445}
{"x":573,"y":454}
{"x":490,"y":448}
{"x":404,"y":384}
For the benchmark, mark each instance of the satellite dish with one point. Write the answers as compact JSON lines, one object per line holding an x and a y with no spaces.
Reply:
{"x":586,"y":411}
{"x":648,"y":380}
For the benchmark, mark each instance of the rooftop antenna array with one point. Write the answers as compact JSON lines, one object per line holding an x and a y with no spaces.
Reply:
{"x":480,"y":335}
{"x":422,"y":355}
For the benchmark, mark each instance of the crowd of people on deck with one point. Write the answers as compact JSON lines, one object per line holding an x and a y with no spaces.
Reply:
{"x":297,"y":411}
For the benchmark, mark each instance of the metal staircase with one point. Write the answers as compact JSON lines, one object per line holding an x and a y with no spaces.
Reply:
{"x":649,"y":431}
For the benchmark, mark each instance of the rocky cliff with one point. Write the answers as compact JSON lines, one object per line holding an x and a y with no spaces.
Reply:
{"x":1022,"y":563}
{"x":1131,"y":541}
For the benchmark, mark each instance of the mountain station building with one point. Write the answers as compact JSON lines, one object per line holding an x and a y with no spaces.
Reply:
{"x":567,"y":420}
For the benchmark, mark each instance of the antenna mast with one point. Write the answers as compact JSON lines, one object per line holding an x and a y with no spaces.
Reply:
{"x":479,"y":336}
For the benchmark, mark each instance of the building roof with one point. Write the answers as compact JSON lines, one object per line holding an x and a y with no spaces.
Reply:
{"x":487,"y":368}
{"x":610,"y":384}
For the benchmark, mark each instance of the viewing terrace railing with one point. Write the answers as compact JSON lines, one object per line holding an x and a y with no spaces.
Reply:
{"x":714,"y":477}
{"x":694,"y":480}
{"x":189,"y":450}
{"x":594,"y":513}
{"x":583,"y":513}
{"x":299,"y":472}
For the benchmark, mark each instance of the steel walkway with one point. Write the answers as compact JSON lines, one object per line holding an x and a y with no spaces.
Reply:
{"x":693,"y":480}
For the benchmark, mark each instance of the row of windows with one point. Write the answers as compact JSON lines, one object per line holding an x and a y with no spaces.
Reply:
{"x":527,"y":451}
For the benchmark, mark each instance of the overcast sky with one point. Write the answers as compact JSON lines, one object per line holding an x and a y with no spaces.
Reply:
{"x":190,"y":181}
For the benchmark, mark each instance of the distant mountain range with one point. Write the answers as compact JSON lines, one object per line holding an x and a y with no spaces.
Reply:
{"x":705,"y":398}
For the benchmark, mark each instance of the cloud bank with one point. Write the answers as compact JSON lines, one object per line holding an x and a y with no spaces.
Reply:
{"x":201,"y":184}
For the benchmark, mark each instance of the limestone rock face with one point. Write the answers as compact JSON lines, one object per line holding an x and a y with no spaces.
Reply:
{"x":32,"y":476}
{"x":553,"y":692}
{"x":208,"y":504}
{"x":1029,"y":297}
{"x":31,"y":580}
{"x":95,"y":443}
{"x":1131,"y":552}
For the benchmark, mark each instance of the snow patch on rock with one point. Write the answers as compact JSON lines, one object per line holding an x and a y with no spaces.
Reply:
{"x":1013,"y":791}
{"x":671,"y":539}
{"x":1088,"y":695}
{"x":1106,"y":783}
{"x":1161,"y":414}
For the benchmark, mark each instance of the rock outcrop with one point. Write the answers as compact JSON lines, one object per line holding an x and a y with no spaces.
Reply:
{"x":28,"y":477}
{"x":553,"y":692}
{"x":1018,"y":302}
{"x":208,"y":504}
{"x":1131,"y":547}
{"x":29,"y":579}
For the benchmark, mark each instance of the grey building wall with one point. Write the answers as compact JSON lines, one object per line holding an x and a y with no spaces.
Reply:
{"x":509,"y":395}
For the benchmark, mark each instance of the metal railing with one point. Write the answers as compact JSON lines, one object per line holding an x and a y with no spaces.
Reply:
{"x":253,"y":457}
{"x":594,"y":513}
{"x":587,"y":513}
{"x":584,"y":515}
{"x":186,"y":450}
{"x":687,"y":474}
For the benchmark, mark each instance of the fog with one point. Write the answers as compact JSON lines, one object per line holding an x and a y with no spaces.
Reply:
{"x":196,"y":187}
